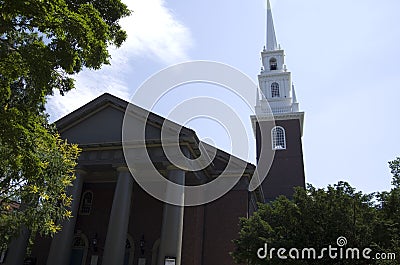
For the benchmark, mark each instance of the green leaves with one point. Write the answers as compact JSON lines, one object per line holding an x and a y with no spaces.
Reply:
{"x":317,"y":217}
{"x":395,"y":170}
{"x":36,"y":167}
{"x":45,"y":41}
{"x":42,"y":45}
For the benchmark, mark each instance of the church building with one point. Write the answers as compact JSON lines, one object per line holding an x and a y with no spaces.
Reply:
{"x":116,"y":222}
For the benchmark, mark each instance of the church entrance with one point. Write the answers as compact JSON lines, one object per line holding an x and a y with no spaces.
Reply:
{"x":79,"y":250}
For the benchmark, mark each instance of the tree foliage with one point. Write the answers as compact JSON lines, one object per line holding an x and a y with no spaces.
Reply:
{"x":316,"y":218}
{"x":35,"y":173}
{"x":43,"y":43}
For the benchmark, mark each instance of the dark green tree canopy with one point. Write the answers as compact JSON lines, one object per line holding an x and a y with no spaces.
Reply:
{"x":315,"y":218}
{"x":44,"y":42}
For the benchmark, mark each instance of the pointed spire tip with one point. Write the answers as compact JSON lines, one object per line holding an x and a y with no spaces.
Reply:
{"x":271,"y":38}
{"x":268,"y":5}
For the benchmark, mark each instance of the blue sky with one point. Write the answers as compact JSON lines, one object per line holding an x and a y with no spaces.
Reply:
{"x":343,"y":55}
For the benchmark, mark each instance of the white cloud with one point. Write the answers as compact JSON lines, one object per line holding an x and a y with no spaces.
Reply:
{"x":153,"y":33}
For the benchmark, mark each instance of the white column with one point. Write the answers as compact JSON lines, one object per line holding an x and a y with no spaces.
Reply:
{"x":172,"y":224}
{"x":17,"y":249}
{"x":114,"y":249}
{"x":60,"y":249}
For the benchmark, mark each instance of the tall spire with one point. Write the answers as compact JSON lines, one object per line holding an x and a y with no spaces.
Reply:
{"x":271,"y":38}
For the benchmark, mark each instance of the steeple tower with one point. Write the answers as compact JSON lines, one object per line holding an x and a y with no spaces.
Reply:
{"x":278,"y":123}
{"x":275,"y":81}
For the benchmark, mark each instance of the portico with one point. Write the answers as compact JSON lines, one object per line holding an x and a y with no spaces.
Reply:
{"x":113,"y":251}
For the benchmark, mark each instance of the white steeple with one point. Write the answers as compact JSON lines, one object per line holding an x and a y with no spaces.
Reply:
{"x":271,"y":38}
{"x":275,"y":82}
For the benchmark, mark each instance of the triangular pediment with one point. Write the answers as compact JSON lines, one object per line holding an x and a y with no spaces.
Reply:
{"x":102,"y":126}
{"x":101,"y":121}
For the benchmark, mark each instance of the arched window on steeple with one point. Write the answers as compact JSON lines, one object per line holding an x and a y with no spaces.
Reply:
{"x":273,"y":65}
{"x":275,"y":90}
{"x":278,"y":138}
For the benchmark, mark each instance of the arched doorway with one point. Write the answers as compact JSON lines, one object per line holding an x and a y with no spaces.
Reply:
{"x":79,"y":250}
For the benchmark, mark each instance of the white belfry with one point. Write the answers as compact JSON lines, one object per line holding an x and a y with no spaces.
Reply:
{"x":275,"y":82}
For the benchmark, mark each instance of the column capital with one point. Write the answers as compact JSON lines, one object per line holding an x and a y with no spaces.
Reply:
{"x":122,"y":168}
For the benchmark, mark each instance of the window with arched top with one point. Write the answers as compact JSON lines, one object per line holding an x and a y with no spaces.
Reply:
{"x":79,"y":250}
{"x":273,"y":64}
{"x":278,"y":138}
{"x":275,"y":90}
{"x":86,"y":203}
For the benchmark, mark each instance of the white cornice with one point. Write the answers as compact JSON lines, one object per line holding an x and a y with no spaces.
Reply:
{"x":278,"y":117}
{"x":272,"y":51}
{"x":267,"y":74}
